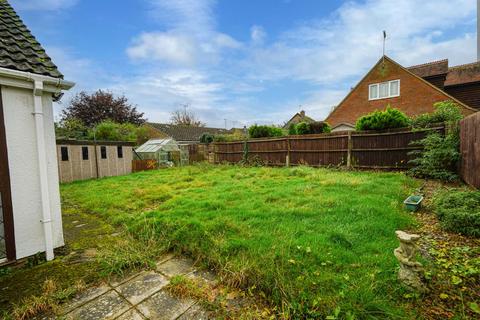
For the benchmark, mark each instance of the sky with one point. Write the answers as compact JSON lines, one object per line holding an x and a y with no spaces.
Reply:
{"x":240,"y":62}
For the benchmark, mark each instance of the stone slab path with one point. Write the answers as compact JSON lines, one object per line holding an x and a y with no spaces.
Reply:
{"x":140,"y":296}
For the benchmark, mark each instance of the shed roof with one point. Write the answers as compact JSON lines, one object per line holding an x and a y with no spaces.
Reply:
{"x":186,"y":133}
{"x":19,"y":50}
{"x":154,"y":145}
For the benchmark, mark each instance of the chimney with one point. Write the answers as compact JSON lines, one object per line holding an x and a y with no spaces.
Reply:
{"x":302,"y":113}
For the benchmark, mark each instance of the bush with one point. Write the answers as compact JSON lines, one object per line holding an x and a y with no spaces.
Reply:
{"x":320,"y":127}
{"x":380,"y":120}
{"x":302,"y":128}
{"x":206,"y":138}
{"x":445,"y":112}
{"x":440,"y":156}
{"x":257,"y":131}
{"x":309,"y":128}
{"x":438,"y":159}
{"x":292,"y":129}
{"x":459,"y":211}
{"x":112,"y":131}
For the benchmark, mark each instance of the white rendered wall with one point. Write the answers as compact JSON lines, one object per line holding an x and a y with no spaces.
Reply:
{"x":24,"y":171}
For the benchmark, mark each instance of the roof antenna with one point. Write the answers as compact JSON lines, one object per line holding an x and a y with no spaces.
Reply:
{"x":384,"y":38}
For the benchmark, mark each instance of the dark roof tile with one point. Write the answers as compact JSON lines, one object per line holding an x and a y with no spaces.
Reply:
{"x":186,"y":133}
{"x":430,"y":69}
{"x":465,"y":73}
{"x":19,"y":50}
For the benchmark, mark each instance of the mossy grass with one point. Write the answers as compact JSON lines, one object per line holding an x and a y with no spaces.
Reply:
{"x":314,"y":242}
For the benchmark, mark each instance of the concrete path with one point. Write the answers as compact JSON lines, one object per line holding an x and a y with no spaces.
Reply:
{"x":140,"y":296}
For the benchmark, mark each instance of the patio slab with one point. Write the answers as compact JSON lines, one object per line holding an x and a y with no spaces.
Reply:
{"x":142,"y":286}
{"x":85,"y":297}
{"x":195,"y":312}
{"x":176,"y":266}
{"x":108,"y":306}
{"x":131,"y":314}
{"x":163,"y":306}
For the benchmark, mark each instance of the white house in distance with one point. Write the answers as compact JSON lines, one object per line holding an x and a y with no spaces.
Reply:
{"x":30,"y":216}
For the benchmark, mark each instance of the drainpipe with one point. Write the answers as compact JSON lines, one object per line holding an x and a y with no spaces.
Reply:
{"x":42,"y":163}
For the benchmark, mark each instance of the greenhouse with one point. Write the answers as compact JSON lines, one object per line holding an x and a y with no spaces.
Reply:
{"x":167,"y":152}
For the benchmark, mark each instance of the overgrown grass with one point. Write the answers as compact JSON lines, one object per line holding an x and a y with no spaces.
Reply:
{"x":315,"y":242}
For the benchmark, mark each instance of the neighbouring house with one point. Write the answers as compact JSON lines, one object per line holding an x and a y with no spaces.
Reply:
{"x":81,"y":160}
{"x":184,"y":135}
{"x":297,"y":118}
{"x":30,"y":214}
{"x":165,"y":151}
{"x":412,"y":90}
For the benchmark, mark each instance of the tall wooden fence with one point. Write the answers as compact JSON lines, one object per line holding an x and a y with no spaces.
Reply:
{"x":470,"y":149}
{"x":379,"y":150}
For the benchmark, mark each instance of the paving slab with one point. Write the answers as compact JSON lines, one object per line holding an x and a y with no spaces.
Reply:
{"x":163,"y":306}
{"x":195,"y":312}
{"x":131,"y":314}
{"x":205,"y":276}
{"x":176,"y":266}
{"x":108,"y":306}
{"x":142,"y":286}
{"x":84,"y":297}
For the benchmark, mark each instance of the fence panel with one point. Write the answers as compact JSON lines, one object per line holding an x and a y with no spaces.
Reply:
{"x":318,"y":150}
{"x":376,"y":150}
{"x":470,"y":149}
{"x":142,"y":165}
{"x":388,"y":150}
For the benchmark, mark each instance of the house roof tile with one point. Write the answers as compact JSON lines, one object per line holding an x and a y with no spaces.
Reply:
{"x":19,"y":50}
{"x":465,"y":73}
{"x":430,"y":69}
{"x":186,"y":133}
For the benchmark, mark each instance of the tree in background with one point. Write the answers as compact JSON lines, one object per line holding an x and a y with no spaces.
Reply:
{"x":101,"y":106}
{"x":71,"y":128}
{"x":183,"y":117}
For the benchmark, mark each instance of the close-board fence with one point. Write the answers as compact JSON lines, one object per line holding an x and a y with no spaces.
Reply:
{"x":374,"y":150}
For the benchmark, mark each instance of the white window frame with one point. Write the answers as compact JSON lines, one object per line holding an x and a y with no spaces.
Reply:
{"x":389,"y":85}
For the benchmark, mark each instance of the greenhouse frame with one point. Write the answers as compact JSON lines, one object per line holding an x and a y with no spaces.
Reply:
{"x":167,"y":152}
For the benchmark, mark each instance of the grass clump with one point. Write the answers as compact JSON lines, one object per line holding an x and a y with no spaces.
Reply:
{"x":314,"y":242}
{"x":459,"y":211}
{"x":48,"y":301}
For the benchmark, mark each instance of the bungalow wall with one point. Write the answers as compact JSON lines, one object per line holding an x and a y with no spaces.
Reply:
{"x":78,"y":160}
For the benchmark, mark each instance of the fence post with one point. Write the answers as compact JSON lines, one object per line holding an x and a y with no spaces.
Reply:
{"x":349,"y":150}
{"x":287,"y":159}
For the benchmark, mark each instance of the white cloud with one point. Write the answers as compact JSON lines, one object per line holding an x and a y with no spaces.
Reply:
{"x":257,"y":34}
{"x":190,"y":36}
{"x":43,"y":5}
{"x":350,"y":40}
{"x":170,"y":47}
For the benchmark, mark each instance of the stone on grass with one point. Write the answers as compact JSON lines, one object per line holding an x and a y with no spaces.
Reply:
{"x":108,"y":306}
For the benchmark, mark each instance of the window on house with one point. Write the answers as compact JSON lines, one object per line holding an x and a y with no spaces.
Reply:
{"x":388,"y":89}
{"x":119,"y":152}
{"x":85,"y":153}
{"x":103,"y":152}
{"x":64,"y":152}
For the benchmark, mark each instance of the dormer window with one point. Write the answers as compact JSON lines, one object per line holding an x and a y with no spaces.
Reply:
{"x":388,"y":89}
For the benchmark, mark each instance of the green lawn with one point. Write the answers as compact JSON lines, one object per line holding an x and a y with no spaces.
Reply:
{"x":314,"y":242}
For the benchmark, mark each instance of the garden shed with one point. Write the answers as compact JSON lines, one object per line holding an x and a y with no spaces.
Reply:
{"x":166,"y":151}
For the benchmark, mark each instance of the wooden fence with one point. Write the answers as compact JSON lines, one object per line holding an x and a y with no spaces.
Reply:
{"x":470,"y":149}
{"x":379,"y":150}
{"x":142,"y":165}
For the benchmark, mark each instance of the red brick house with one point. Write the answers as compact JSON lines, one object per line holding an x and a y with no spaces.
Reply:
{"x":412,"y":90}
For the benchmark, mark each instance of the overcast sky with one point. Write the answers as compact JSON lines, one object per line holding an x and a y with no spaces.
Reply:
{"x":248,"y":61}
